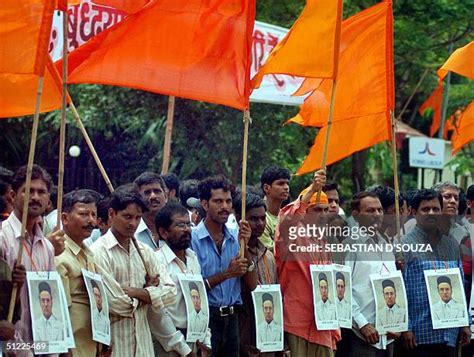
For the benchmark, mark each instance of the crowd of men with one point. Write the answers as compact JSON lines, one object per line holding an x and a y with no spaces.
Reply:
{"x":140,"y":237}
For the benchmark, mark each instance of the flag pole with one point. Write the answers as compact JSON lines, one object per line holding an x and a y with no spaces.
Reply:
{"x":328,"y":132}
{"x":62,"y":126}
{"x":247,"y":121}
{"x":26,"y":198}
{"x":395,"y":174}
{"x":91,"y":146}
{"x":413,"y":93}
{"x":168,"y":134}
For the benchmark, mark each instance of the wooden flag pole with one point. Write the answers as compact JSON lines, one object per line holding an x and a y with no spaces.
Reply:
{"x":247,"y":121}
{"x":413,"y":93}
{"x":91,"y":146}
{"x":26,"y":198}
{"x":169,"y":132}
{"x":135,"y":243}
{"x":328,"y":132}
{"x":62,"y":126}
{"x":395,"y":175}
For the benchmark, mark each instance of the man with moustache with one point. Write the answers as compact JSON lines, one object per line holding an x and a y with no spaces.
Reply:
{"x":331,"y":190}
{"x":275,"y":185}
{"x":269,"y":330}
{"x":304,"y":339}
{"x":79,"y":214}
{"x":364,"y":339}
{"x":391,"y":313}
{"x":153,"y":189}
{"x":450,"y":194}
{"x":136,"y":280}
{"x":421,"y":339}
{"x":38,"y":252}
{"x":217,"y":248}
{"x":169,"y":327}
{"x":446,"y":307}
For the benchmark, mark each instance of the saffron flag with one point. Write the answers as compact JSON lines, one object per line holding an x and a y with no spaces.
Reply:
{"x":311,"y":47}
{"x":461,"y":62}
{"x":365,"y":90}
{"x":127,"y":6}
{"x":199,"y":50}
{"x":24,"y":31}
{"x":63,"y":4}
{"x":434,"y":102}
{"x":464,"y":133}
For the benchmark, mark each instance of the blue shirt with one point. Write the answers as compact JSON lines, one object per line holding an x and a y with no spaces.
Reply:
{"x":445,"y":255}
{"x":226,"y":293}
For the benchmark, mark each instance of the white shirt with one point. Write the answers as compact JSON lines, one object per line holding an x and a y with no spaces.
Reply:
{"x":450,"y":310}
{"x":325,"y":310}
{"x":198,"y":321}
{"x":165,"y":324}
{"x":101,"y":321}
{"x":389,"y":316}
{"x":269,"y":332}
{"x":363,"y":264}
{"x":343,"y":309}
{"x":49,"y":330}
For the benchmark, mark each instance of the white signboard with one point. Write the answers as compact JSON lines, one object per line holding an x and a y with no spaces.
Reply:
{"x":426,"y":153}
{"x":88,"y":19}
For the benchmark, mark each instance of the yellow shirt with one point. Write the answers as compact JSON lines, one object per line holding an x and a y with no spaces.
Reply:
{"x":69,"y":265}
{"x":268,"y":236}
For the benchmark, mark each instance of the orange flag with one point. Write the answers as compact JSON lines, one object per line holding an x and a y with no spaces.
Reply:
{"x":192,"y":49}
{"x":461,"y":62}
{"x":63,"y":4}
{"x":464,"y":134}
{"x":435,"y":102}
{"x":24,"y":31}
{"x":311,"y":47}
{"x":127,"y":6}
{"x":365,"y":90}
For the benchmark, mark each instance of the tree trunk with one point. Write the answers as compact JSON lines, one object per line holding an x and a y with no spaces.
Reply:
{"x":358,"y":168}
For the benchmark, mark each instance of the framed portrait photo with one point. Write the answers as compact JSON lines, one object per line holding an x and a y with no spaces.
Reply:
{"x":99,"y":307}
{"x":197,"y":306}
{"x":446,"y":297}
{"x":268,"y":309}
{"x":324,"y":297}
{"x":343,"y":282}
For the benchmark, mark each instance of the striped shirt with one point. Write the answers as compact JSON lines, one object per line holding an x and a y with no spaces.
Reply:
{"x":226,"y":293}
{"x":445,"y":255}
{"x":38,"y":255}
{"x":131,"y":334}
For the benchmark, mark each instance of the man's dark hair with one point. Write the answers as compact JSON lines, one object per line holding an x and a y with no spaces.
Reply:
{"x":193,"y":286}
{"x":272,"y":173}
{"x":443,"y":279}
{"x":6,"y":175}
{"x":38,"y":173}
{"x":358,"y":197}
{"x":172,"y":182}
{"x":253,"y":201}
{"x":425,"y":195}
{"x":462,"y":208}
{"x":330,"y":186}
{"x":103,"y":206}
{"x":188,"y":189}
{"x":44,"y":286}
{"x":323,"y":276}
{"x":340,"y":276}
{"x":163,"y":218}
{"x":470,"y":193}
{"x":386,"y":196}
{"x":126,"y":195}
{"x":388,"y":283}
{"x":78,"y":196}
{"x":267,"y":297}
{"x":214,"y":183}
{"x":148,"y":178}
{"x":94,"y":284}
